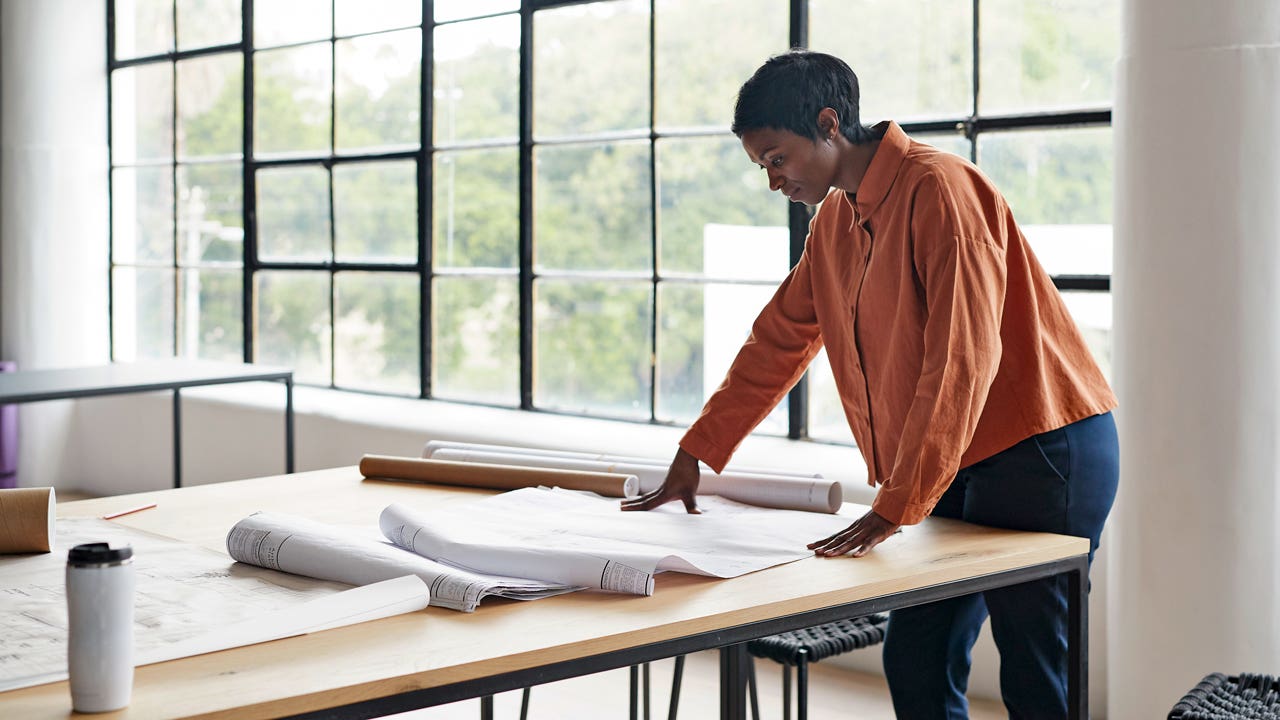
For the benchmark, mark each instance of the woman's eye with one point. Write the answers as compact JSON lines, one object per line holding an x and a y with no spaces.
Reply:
{"x":776,"y":162}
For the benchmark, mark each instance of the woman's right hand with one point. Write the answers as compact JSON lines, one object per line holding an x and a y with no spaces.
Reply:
{"x":681,"y":484}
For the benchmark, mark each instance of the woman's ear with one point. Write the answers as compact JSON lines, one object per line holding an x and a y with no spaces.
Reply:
{"x":828,"y":123}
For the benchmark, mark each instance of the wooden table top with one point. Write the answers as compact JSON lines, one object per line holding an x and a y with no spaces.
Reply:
{"x":437,"y":647}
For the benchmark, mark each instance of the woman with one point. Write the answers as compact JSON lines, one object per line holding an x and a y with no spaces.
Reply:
{"x":967,"y":385}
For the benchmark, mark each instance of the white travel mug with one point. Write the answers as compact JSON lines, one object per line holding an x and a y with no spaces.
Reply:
{"x":100,"y":584}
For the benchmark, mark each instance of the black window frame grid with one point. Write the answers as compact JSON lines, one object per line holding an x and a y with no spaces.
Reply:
{"x":970,"y":127}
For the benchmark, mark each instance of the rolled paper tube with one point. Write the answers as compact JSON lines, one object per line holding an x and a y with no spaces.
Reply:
{"x":27,"y":520}
{"x":433,"y":446}
{"x":775,"y":491}
{"x":495,"y":477}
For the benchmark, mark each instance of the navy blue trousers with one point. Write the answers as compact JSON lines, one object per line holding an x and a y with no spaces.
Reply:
{"x":1062,"y":481}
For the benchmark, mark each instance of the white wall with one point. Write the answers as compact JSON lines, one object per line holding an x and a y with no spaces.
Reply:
{"x":1195,"y":570}
{"x":53,"y":208}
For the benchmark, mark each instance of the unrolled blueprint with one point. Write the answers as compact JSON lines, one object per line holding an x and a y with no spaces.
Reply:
{"x":584,"y":539}
{"x":189,"y":600}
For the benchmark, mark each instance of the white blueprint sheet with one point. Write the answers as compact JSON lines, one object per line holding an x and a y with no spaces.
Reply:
{"x":584,"y":539}
{"x":185,"y":594}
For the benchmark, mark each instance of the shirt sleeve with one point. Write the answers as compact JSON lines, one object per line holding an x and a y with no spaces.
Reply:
{"x":783,"y":340}
{"x":958,"y":251}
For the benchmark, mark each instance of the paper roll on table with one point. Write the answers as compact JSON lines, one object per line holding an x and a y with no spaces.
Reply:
{"x":776,"y":491}
{"x":496,"y":477}
{"x":26,"y":520}
{"x":434,"y":446}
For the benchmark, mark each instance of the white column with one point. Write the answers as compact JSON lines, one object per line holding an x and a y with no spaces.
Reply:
{"x":53,"y":207}
{"x":1194,"y":577}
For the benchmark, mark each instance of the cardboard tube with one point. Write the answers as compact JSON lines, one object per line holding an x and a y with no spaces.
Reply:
{"x":26,"y":520}
{"x":496,"y":477}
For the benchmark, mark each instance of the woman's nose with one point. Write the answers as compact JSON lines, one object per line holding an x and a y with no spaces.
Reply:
{"x":776,"y":181}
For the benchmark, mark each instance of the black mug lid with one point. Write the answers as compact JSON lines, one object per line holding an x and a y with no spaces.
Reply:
{"x":98,"y":554}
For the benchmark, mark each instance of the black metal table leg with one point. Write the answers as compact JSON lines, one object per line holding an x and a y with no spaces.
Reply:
{"x":1078,"y":641}
{"x":288,"y":425}
{"x":733,"y":682}
{"x":677,"y":674}
{"x":177,"y":437}
{"x":635,"y":693}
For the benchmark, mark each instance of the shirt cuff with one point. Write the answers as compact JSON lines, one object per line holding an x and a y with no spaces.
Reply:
{"x":705,"y":449}
{"x":898,"y":512}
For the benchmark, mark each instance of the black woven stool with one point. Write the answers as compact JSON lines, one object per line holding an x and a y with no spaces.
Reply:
{"x":800,"y":647}
{"x":1238,"y":697}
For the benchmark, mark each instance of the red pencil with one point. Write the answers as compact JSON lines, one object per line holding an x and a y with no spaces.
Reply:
{"x":140,"y":508}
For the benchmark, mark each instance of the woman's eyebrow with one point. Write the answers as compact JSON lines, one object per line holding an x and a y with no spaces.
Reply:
{"x":764,"y":153}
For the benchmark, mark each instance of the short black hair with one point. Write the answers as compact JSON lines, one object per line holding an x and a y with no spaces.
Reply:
{"x":790,"y":89}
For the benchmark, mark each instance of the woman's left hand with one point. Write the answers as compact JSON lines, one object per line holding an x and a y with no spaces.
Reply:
{"x":867,"y":532}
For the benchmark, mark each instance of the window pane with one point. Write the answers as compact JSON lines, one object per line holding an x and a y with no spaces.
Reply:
{"x":352,"y":17}
{"x":378,"y":90}
{"x":826,"y":415}
{"x":575,"y":91}
{"x":143,"y":27}
{"x":477,"y":208}
{"x":142,"y":113}
{"x":211,"y":319}
{"x":141,"y":313}
{"x":1048,"y":54}
{"x":280,"y":22}
{"x":705,"y":97}
{"x":142,"y":215}
{"x":205,"y":23}
{"x":293,"y":327}
{"x":457,"y":9}
{"x":476,"y":342}
{"x":291,"y":100}
{"x":477,"y":80}
{"x":375,"y":211}
{"x":592,"y":209}
{"x":701,"y":328}
{"x":1058,"y":183}
{"x":708,"y":188}
{"x":1092,"y":313}
{"x":376,"y":332}
{"x":954,"y":144}
{"x":293,"y":213}
{"x":682,"y":387}
{"x":913,"y":59}
{"x":211,"y":106}
{"x":593,"y":347}
{"x":211,"y":213}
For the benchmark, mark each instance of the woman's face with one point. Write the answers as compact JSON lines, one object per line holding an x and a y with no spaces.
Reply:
{"x":800,"y":168}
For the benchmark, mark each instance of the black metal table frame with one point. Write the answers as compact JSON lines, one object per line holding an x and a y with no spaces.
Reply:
{"x":284,"y":376}
{"x":733,"y":653}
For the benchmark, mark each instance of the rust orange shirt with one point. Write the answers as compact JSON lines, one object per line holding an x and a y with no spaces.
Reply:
{"x":947,"y":339}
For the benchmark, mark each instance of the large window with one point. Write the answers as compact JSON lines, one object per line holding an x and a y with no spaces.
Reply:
{"x":539,"y":205}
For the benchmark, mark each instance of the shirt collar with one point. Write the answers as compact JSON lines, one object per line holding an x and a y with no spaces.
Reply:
{"x":883,"y":168}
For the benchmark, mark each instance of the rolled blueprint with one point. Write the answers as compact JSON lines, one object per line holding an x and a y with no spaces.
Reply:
{"x":316,"y":550}
{"x":27,"y":520}
{"x":433,"y":446}
{"x":775,"y":491}
{"x":497,"y":476}
{"x":300,"y":546}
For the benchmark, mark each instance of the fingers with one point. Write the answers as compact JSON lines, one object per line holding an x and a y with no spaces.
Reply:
{"x":660,"y":496}
{"x":646,"y":501}
{"x":858,"y":539}
{"x":691,"y":505}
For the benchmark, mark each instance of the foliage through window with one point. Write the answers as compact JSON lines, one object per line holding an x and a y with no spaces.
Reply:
{"x":539,"y":204}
